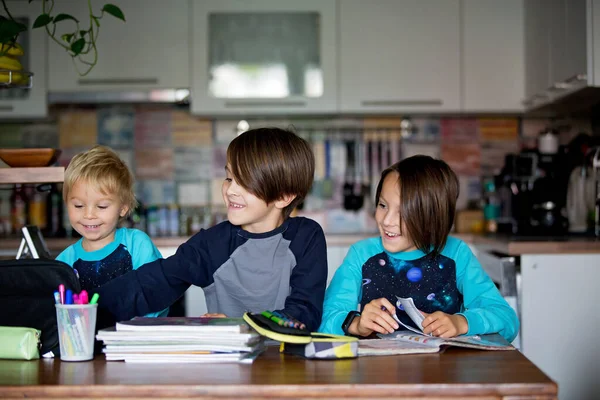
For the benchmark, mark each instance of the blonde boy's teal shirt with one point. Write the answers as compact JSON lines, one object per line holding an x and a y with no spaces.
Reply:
{"x":453,"y":282}
{"x":130,"y":249}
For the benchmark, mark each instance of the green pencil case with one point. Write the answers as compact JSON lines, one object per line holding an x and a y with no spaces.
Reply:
{"x":18,"y":343}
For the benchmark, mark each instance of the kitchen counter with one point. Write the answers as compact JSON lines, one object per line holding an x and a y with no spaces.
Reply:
{"x":505,"y":244}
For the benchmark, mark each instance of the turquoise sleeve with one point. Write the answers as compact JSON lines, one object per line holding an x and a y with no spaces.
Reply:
{"x":343,"y":294}
{"x":142,"y":249}
{"x":142,"y":252}
{"x":485,"y":309}
{"x":67,"y":256}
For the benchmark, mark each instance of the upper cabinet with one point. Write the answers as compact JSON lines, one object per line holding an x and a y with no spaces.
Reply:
{"x":149,"y":51}
{"x":19,"y":103}
{"x":399,"y":56}
{"x":493,"y":55}
{"x":263,"y":57}
{"x":559,"y":48}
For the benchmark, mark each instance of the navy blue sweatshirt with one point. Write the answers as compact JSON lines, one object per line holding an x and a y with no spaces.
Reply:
{"x":283,"y":270}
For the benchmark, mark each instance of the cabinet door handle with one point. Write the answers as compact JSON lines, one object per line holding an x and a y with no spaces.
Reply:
{"x":268,"y":103}
{"x":118,"y":81}
{"x":395,"y":103}
{"x":6,"y":108}
{"x":558,"y":86}
{"x":577,"y":78}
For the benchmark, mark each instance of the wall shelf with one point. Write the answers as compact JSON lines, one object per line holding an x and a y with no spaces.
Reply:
{"x":32,"y":175}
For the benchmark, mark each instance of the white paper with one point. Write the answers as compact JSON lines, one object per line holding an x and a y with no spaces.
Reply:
{"x":413,"y":312}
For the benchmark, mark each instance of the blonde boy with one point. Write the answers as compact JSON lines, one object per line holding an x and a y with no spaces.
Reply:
{"x":98,"y":194}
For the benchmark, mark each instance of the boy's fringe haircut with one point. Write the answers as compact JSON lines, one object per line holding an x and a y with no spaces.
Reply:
{"x":101,"y":168}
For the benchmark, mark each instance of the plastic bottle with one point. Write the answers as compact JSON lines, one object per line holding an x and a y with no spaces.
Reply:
{"x":37,"y":210}
{"x":54,"y":213}
{"x":18,"y":209}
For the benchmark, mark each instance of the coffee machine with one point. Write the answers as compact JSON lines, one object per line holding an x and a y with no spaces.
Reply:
{"x":532,"y":191}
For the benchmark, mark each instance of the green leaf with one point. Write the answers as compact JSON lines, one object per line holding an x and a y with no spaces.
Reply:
{"x":83,"y":33}
{"x":63,"y":17}
{"x":77,"y":46}
{"x":42,"y":20}
{"x":67,"y":37}
{"x":114,"y":11}
{"x":10,"y":28}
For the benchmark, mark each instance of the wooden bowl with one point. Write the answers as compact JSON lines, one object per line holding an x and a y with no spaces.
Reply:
{"x":25,"y":158}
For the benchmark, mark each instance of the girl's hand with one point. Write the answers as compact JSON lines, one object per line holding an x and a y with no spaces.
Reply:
{"x":376,"y":317}
{"x":215,"y":315}
{"x":444,"y":325}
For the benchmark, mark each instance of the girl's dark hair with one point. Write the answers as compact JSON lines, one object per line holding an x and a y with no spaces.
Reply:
{"x":271,"y":163}
{"x":428,"y":193}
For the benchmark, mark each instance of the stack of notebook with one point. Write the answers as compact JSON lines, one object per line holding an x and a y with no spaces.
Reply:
{"x":181,"y":340}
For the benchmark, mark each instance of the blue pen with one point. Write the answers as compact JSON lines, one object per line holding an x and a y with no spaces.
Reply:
{"x":69,"y":297}
{"x":57,"y":297}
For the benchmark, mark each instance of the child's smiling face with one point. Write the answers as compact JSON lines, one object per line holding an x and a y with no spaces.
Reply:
{"x":393,"y":236}
{"x":246,"y":210}
{"x":95,"y":215}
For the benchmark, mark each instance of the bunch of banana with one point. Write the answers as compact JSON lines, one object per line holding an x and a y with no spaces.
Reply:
{"x":9,"y":61}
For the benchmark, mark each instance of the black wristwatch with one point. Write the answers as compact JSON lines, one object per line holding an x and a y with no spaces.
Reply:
{"x":349,"y":318}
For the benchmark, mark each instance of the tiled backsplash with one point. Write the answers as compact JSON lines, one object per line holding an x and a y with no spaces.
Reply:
{"x":179,"y":159}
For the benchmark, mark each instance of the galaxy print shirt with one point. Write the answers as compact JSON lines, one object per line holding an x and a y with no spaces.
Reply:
{"x":130,"y":249}
{"x":429,"y":280}
{"x":453,"y":282}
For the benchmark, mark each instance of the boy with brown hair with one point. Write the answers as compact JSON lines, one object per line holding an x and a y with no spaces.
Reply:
{"x":414,"y":256}
{"x":260,"y":258}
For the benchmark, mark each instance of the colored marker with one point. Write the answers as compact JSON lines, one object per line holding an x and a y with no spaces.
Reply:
{"x":69,"y":297}
{"x":76,"y":298}
{"x":83,"y":297}
{"x":94,"y":299}
{"x":56,"y":298}
{"x":61,"y":291}
{"x":273,"y":318}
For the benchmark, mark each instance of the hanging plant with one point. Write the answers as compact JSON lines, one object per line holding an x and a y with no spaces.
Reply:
{"x":79,"y":43}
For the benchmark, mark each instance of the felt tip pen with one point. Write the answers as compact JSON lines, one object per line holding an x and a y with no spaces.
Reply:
{"x":94,"y":299}
{"x":273,"y":318}
{"x":61,"y":291}
{"x":69,"y":296}
{"x":83,"y":297}
{"x":76,"y":298}
{"x":56,"y":298}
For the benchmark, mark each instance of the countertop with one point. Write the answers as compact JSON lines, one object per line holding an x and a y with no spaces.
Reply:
{"x":505,"y":244}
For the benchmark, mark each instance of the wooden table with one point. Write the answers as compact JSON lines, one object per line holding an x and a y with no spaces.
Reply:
{"x":457,"y":373}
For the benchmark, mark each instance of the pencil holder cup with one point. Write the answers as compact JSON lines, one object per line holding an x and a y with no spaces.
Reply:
{"x":76,"y":330}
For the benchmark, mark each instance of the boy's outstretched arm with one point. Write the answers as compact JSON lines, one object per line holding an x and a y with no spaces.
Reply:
{"x":309,"y":276}
{"x":156,"y":285}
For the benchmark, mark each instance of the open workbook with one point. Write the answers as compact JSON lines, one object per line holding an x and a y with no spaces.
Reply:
{"x":406,"y":342}
{"x":415,"y":341}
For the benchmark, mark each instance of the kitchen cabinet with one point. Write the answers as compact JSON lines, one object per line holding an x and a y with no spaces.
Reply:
{"x":493,"y":55}
{"x":559,"y":49}
{"x":17,"y":103}
{"x":263,"y":57}
{"x":560,"y":320}
{"x":399,"y":56}
{"x":149,"y":51}
{"x":537,"y":49}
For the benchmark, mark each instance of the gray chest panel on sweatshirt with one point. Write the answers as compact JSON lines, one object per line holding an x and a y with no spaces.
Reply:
{"x":256,"y":277}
